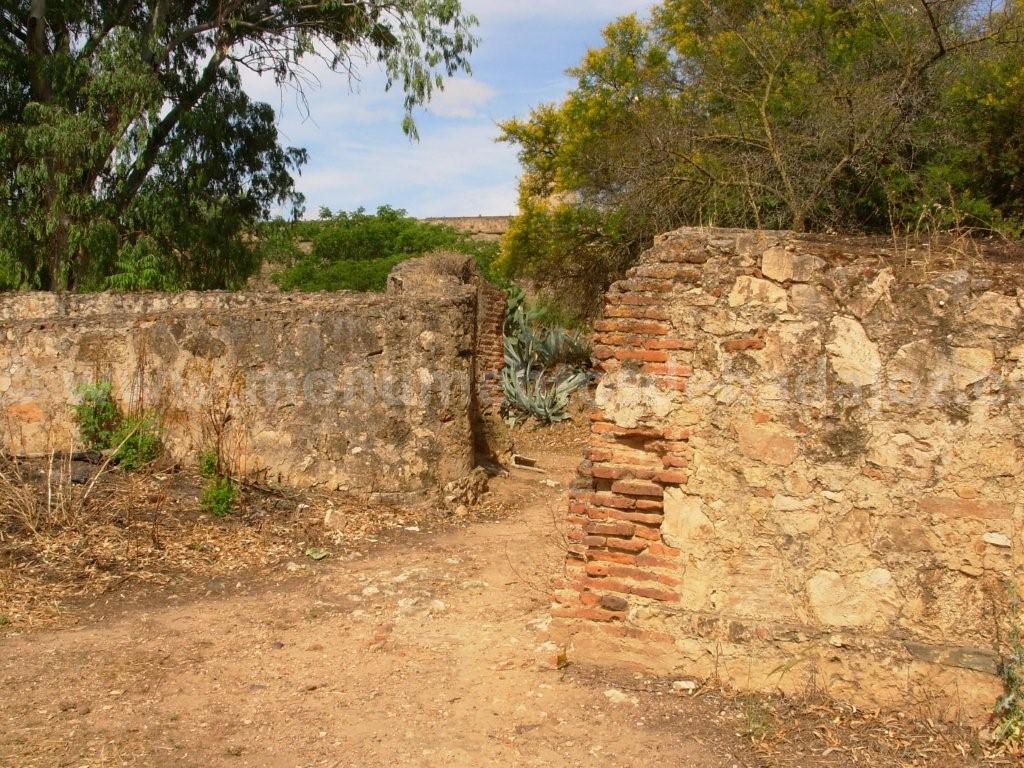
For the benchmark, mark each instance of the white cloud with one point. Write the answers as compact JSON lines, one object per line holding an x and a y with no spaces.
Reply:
{"x":489,"y":11}
{"x":461,"y":98}
{"x":352,"y":129}
{"x":456,"y":169}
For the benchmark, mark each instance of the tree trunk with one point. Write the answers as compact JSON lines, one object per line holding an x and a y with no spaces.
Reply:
{"x":798,"y":221}
{"x":38,"y":50}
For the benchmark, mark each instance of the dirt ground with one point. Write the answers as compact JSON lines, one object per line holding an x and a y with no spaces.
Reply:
{"x":429,"y":650}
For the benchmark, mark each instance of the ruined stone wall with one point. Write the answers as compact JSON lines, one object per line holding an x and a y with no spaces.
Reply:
{"x":805,"y":473}
{"x":369,"y":393}
{"x":485,"y":228}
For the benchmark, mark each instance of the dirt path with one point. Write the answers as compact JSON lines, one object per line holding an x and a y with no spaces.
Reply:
{"x":430,"y":653}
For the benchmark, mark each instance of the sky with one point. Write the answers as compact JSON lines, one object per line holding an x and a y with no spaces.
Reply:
{"x":359,"y":156}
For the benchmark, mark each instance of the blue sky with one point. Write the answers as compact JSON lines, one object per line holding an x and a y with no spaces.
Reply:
{"x":358,"y":155}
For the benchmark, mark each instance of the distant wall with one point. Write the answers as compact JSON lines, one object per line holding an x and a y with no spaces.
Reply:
{"x":487,"y":228}
{"x":805,"y":471}
{"x":370,"y":393}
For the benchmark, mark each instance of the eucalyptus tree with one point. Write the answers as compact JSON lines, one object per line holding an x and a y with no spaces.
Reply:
{"x":129,"y":149}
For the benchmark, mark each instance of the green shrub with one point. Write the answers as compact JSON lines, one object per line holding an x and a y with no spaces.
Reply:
{"x":1009,"y":725}
{"x":357,"y":251}
{"x":137,"y":441}
{"x":219,"y":496}
{"x":97,"y":415}
{"x":209,"y":464}
{"x":338,"y":276}
{"x":219,"y":492}
{"x":278,"y":243}
{"x":574,"y":252}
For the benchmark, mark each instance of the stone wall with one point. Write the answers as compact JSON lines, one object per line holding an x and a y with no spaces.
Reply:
{"x":805,"y":471}
{"x":370,"y":393}
{"x":485,"y":228}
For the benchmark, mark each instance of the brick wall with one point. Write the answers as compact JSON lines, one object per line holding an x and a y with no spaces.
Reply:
{"x":490,"y":344}
{"x":804,"y":470}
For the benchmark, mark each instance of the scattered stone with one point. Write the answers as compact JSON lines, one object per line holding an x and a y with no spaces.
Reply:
{"x":615,"y":696}
{"x":998,"y":540}
{"x":461,"y":495}
{"x":438,"y":606}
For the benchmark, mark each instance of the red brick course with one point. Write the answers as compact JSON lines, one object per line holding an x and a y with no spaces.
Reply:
{"x":618,"y":513}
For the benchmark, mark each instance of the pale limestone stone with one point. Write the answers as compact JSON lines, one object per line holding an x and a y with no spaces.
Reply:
{"x":867,"y":493}
{"x":630,"y":399}
{"x":811,"y":299}
{"x":789,"y":504}
{"x":717,"y":321}
{"x":998,"y":540}
{"x":971,"y":365}
{"x":919,"y":363}
{"x":995,"y":309}
{"x":756,"y":585}
{"x":799,"y":485}
{"x":852,"y":601}
{"x":685,"y":523}
{"x":799,"y":523}
{"x":768,"y":444}
{"x":867,"y":299}
{"x":1016,"y":352}
{"x":901,"y":451}
{"x":789,"y":341}
{"x":853,"y":355}
{"x":753,"y":290}
{"x":1003,"y":459}
{"x":782,"y":265}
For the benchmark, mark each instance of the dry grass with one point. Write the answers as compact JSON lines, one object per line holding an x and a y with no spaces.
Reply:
{"x":766,"y":731}
{"x":75,"y":536}
{"x":28,"y":509}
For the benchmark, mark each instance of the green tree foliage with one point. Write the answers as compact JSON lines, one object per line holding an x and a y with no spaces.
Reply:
{"x":802,"y":114}
{"x":356,"y":251}
{"x":130,"y":156}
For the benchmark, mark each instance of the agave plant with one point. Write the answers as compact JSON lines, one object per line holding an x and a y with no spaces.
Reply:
{"x":529,"y":354}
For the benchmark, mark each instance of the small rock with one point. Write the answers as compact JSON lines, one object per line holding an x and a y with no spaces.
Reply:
{"x":293,"y":567}
{"x":460,"y":495}
{"x":407,"y":604}
{"x":685,"y":686}
{"x":998,"y":540}
{"x":438,"y":606}
{"x":615,"y":696}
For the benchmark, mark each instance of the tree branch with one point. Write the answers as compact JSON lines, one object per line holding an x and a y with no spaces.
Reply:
{"x":151,"y":152}
{"x":110,"y":23}
{"x":12,"y":28}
